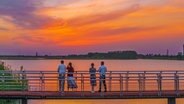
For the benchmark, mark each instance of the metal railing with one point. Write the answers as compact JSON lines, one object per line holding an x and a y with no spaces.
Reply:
{"x":116,"y":81}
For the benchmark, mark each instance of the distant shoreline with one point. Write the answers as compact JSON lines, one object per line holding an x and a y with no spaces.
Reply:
{"x":56,"y":58}
{"x":114,"y":55}
{"x":59,"y":58}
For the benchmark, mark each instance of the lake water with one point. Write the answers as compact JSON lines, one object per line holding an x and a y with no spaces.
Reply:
{"x":112,"y":65}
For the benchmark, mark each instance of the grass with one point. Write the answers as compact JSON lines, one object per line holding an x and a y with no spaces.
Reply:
{"x":8,"y":82}
{"x":9,"y":101}
{"x":1,"y":67}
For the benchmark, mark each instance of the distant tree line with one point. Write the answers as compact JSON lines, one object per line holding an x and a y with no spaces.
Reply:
{"x":159,"y":56}
{"x":98,"y":55}
{"x":109,"y":55}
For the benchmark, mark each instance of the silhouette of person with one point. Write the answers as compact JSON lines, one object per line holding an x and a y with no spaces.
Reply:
{"x":70,"y":70}
{"x":92,"y":72}
{"x":102,"y":71}
{"x":61,"y":71}
{"x":71,"y":80}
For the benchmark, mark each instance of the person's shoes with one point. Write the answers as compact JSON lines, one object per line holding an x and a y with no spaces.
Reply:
{"x":99,"y":90}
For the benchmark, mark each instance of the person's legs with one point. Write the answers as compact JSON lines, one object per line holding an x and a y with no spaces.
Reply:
{"x":63,"y":82}
{"x":73,"y":82}
{"x":104,"y":82}
{"x":100,"y":84}
{"x":91,"y":82}
{"x":92,"y":85}
{"x":69,"y":83}
{"x":59,"y":82}
{"x":92,"y":89}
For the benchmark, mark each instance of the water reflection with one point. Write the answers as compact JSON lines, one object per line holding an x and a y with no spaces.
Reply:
{"x":120,"y":65}
{"x":108,"y":101}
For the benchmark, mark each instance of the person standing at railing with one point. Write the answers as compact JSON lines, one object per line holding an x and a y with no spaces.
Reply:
{"x":61,"y":71}
{"x":71,"y":81}
{"x":92,"y":72}
{"x":102,"y":71}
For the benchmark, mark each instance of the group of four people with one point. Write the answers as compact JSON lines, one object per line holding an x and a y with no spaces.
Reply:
{"x":70,"y":78}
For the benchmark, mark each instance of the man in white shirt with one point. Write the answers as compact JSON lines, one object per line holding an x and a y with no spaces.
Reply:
{"x":61,"y":71}
{"x":102,"y":71}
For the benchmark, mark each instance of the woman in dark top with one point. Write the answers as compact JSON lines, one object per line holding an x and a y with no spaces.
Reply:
{"x":92,"y":72}
{"x":71,"y":81}
{"x":70,"y":70}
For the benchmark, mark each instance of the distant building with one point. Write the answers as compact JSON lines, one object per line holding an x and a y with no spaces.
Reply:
{"x":167,"y":52}
{"x":36,"y":54}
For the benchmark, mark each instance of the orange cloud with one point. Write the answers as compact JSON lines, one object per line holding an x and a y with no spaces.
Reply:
{"x":98,"y":22}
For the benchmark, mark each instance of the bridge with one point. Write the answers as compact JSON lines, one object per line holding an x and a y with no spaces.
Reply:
{"x":120,"y":85}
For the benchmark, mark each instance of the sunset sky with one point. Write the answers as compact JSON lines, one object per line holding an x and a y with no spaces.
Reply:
{"x":81,"y":26}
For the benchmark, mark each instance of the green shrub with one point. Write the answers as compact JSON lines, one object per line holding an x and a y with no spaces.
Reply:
{"x":9,"y":83}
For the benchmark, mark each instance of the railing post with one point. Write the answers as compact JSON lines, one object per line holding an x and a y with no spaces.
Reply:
{"x":20,"y":74}
{"x":176,"y":83}
{"x":121,"y":85}
{"x":81,"y":81}
{"x":159,"y":81}
{"x":144,"y":81}
{"x":141,"y":80}
{"x":82,"y":84}
{"x":127,"y":78}
{"x":110,"y":80}
{"x":140,"y":83}
{"x":23,"y":79}
{"x":42,"y":81}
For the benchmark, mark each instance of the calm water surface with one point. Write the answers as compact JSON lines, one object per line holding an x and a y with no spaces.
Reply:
{"x":119,"y":65}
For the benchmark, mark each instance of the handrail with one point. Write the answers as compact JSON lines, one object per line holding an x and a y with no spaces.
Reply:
{"x":129,"y":72}
{"x":116,"y":80}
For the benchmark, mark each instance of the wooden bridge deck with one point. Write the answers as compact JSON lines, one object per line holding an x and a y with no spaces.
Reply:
{"x":120,"y":84}
{"x":88,"y":95}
